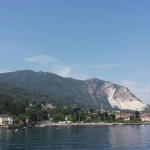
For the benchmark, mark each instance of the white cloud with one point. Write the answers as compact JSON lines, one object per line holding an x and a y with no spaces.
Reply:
{"x":140,"y":90}
{"x":51,"y":64}
{"x":55,"y":65}
{"x":62,"y":70}
{"x":42,"y":59}
{"x":104,"y":66}
{"x":128,"y":82}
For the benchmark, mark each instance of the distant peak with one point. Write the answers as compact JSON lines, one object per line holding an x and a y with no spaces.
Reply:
{"x":93,"y":79}
{"x":24,"y":71}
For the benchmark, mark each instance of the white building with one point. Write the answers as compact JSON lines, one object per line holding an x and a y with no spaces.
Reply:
{"x":145,"y":117}
{"x":6,"y":119}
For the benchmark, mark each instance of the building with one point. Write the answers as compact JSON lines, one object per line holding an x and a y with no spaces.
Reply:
{"x":124,"y":116}
{"x":6,"y":119}
{"x":145,"y":117}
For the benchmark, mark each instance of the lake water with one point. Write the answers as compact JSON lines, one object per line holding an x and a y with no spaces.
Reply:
{"x":123,"y":137}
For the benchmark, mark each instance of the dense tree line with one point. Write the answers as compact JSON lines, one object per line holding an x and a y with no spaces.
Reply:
{"x":8,"y":106}
{"x":21,"y":110}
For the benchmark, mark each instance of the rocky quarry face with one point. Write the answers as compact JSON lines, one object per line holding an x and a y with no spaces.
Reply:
{"x":117,"y":96}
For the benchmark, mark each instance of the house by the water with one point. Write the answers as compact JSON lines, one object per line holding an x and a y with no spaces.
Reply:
{"x":6,"y":119}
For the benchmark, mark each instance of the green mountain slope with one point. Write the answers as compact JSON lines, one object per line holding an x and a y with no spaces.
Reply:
{"x":49,"y":87}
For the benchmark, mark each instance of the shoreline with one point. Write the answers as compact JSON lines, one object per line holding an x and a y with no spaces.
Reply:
{"x":88,"y":124}
{"x":48,"y":124}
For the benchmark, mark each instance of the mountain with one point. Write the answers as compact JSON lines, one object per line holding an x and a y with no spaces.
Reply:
{"x":90,"y":93}
{"x":13,"y":93}
{"x":17,"y":93}
{"x":116,"y":96}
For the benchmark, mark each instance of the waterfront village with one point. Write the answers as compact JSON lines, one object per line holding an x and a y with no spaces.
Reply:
{"x":47,"y":114}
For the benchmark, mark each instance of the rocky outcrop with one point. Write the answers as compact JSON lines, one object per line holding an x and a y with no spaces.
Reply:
{"x":118,"y":97}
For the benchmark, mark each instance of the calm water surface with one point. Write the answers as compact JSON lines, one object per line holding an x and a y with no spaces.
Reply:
{"x":125,"y":137}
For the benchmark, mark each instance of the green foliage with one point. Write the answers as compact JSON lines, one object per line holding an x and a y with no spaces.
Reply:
{"x":82,"y":115}
{"x":59,"y":113}
{"x":44,"y":115}
{"x":58,"y":117}
{"x":33,"y":113}
{"x":16,"y":121}
{"x":112,"y":117}
{"x":3,"y":105}
{"x":135,"y":117}
{"x":94,"y":118}
{"x":36,"y":113}
{"x":22,"y":117}
{"x":69,"y":118}
{"x":120,"y":120}
{"x":12,"y":107}
{"x":91,"y":110}
{"x":60,"y":110}
{"x":105,"y":116}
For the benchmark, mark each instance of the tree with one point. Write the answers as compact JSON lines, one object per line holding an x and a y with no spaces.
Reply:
{"x":82,"y":115}
{"x":22,"y":117}
{"x":137,"y":115}
{"x":91,"y":110}
{"x":112,"y":117}
{"x":100,"y":116}
{"x":45,"y":115}
{"x":2,"y":106}
{"x":58,"y":117}
{"x":33,"y":113}
{"x":69,"y":118}
{"x":75,"y":114}
{"x":104,"y":116}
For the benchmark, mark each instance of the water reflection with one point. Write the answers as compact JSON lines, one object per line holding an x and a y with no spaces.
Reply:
{"x":77,"y":137}
{"x":129,"y":137}
{"x":5,"y":137}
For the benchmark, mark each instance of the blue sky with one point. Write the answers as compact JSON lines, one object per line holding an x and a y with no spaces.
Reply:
{"x":83,"y":39}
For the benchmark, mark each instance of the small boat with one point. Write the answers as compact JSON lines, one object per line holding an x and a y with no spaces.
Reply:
{"x":40,"y":125}
{"x":120,"y":124}
{"x":16,"y":130}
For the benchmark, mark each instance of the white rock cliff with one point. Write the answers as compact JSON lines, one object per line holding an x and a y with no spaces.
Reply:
{"x":118,"y":96}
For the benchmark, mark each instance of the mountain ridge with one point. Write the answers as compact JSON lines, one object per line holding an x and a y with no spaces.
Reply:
{"x":92,"y":92}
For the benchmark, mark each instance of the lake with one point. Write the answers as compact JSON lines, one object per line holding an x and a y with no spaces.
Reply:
{"x":117,"y":137}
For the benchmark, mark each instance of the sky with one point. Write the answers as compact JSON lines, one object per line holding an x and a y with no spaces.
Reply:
{"x":83,"y":39}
